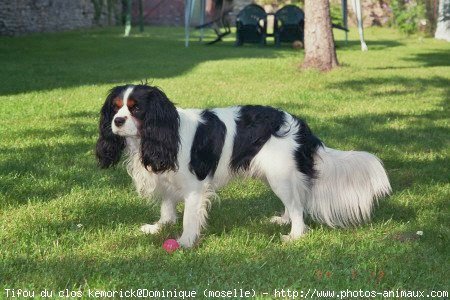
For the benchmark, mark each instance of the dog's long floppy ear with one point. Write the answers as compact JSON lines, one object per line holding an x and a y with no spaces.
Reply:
{"x":109,"y":146}
{"x":160,"y":138}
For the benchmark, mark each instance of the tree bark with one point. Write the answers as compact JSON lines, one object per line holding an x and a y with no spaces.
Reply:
{"x":320,"y":52}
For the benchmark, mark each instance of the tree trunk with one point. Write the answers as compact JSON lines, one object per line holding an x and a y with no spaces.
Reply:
{"x":319,"y":41}
{"x":141,"y":16}
{"x":443,"y":23}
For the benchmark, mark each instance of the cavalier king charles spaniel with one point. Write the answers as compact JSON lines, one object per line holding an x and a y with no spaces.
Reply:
{"x":185,"y":155}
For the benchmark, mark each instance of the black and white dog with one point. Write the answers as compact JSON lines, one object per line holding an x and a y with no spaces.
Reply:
{"x":186,"y":154}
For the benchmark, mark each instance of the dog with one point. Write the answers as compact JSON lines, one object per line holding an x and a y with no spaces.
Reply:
{"x":185,"y":155}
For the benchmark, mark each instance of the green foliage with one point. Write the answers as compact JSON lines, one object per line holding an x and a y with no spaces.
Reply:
{"x":111,"y":10}
{"x":98,"y":7}
{"x":65,"y":224}
{"x":407,"y":14}
{"x":336,"y":14}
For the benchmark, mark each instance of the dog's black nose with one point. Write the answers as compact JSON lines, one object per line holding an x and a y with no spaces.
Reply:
{"x":119,"y":121}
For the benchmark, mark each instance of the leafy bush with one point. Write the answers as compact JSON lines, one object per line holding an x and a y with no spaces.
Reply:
{"x":407,"y":14}
{"x":336,"y":14}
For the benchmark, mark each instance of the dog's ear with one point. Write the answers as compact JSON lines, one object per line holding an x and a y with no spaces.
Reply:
{"x":160,"y":138}
{"x":109,"y":146}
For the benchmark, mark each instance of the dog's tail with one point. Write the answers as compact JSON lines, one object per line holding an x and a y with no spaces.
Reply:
{"x":346,"y":187}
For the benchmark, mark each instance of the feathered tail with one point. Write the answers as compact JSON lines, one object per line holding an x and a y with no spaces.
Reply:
{"x":346,"y":187}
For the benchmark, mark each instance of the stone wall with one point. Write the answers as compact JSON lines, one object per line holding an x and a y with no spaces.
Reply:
{"x":171,"y":12}
{"x":26,"y":16}
{"x":160,"y":12}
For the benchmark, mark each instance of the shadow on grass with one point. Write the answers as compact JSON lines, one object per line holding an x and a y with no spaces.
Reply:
{"x":349,"y":261}
{"x":97,"y":57}
{"x":36,"y":178}
{"x":251,"y":265}
{"x":246,"y":262}
{"x":50,"y":61}
{"x":435,"y":58}
{"x":412,"y":153}
{"x":50,"y":170}
{"x":374,"y":45}
{"x":395,"y":85}
{"x":428,"y":59}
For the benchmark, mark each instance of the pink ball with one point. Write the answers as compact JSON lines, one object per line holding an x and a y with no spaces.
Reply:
{"x":171,"y":245}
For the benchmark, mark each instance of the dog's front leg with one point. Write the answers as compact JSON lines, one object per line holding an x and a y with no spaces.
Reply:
{"x":194,"y":218}
{"x":168,"y":216}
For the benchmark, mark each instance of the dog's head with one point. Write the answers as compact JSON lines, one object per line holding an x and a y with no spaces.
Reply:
{"x":142,"y":112}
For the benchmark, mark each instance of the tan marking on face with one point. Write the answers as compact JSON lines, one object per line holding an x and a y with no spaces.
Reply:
{"x":118,"y":103}
{"x":131,"y":103}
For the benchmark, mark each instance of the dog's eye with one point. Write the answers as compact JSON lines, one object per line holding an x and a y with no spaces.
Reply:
{"x":134,"y":108}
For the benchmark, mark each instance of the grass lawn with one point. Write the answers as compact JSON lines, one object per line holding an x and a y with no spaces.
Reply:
{"x":65,"y":224}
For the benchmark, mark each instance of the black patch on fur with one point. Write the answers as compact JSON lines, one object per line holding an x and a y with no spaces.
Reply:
{"x":254,"y":127}
{"x":109,"y":146}
{"x":309,"y":143}
{"x":160,"y":122}
{"x":207,"y":146}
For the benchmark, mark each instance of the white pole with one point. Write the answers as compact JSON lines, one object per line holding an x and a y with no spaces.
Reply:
{"x":202,"y":18}
{"x":357,"y":9}
{"x":187,"y":21}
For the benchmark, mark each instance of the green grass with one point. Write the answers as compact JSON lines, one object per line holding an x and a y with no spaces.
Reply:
{"x":392,"y":101}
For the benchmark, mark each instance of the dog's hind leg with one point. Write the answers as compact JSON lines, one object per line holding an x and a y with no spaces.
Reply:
{"x":168,"y":216}
{"x":290,"y":193}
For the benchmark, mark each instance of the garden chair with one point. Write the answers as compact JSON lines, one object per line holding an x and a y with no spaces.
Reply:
{"x":289,"y":24}
{"x":251,"y":25}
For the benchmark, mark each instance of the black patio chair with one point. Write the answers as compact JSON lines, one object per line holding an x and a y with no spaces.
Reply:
{"x":251,"y":25}
{"x":289,"y":24}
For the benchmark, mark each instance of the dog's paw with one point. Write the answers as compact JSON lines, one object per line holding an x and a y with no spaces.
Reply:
{"x":279,"y":220}
{"x":287,"y":238}
{"x":151,"y":228}
{"x":186,"y":242}
{"x":293,"y":236}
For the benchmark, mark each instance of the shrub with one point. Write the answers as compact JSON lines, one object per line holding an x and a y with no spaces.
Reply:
{"x":336,"y":14}
{"x":407,"y":14}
